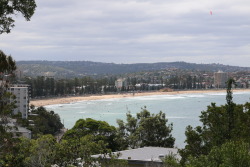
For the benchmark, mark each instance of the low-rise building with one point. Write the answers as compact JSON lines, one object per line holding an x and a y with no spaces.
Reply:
{"x":146,"y":156}
{"x":16,"y":129}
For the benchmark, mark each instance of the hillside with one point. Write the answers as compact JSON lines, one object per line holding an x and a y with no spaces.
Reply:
{"x":70,"y":69}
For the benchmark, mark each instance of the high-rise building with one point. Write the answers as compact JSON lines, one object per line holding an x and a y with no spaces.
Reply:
{"x":22,"y":99}
{"x":120,"y":83}
{"x":220,"y":79}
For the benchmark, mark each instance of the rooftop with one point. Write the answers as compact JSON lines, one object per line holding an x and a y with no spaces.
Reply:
{"x":146,"y":154}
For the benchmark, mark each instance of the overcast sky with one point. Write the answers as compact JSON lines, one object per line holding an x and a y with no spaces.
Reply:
{"x":134,"y":31}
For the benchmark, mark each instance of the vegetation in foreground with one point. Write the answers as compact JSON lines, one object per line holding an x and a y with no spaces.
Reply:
{"x":88,"y":137}
{"x":223,"y":139}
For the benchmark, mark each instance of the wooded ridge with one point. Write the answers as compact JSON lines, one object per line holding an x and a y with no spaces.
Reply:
{"x":86,"y":68}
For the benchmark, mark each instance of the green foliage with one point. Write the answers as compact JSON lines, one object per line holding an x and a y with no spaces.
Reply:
{"x":171,"y":160}
{"x":45,"y":122}
{"x":6,"y":107}
{"x":111,"y":160}
{"x":10,"y":7}
{"x":38,"y":152}
{"x":45,"y":151}
{"x":7,"y":66}
{"x":221,"y":124}
{"x":101,"y":131}
{"x":42,"y":152}
{"x":50,"y":87}
{"x":146,"y":130}
{"x":230,"y":154}
{"x":16,"y":152}
{"x":72,"y":149}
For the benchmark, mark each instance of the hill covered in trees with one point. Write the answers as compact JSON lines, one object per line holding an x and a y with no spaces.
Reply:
{"x":71,"y":69}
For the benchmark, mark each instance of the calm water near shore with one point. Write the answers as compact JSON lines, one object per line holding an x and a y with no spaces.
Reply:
{"x":182,"y":109}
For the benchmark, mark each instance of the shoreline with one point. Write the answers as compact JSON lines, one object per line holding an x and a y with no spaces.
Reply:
{"x":71,"y":99}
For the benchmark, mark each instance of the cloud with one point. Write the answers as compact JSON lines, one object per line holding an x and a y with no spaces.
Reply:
{"x":132,"y":31}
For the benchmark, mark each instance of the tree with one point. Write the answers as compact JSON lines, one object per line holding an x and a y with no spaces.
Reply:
{"x":13,"y":7}
{"x":38,"y":152}
{"x":42,"y":152}
{"x":18,"y":150}
{"x":230,"y":154}
{"x":101,"y":131}
{"x":221,"y":124}
{"x":76,"y":85}
{"x":71,"y":150}
{"x":7,"y":64}
{"x":46,"y":122}
{"x":7,"y":67}
{"x":230,"y":107}
{"x":171,"y":160}
{"x":146,"y":130}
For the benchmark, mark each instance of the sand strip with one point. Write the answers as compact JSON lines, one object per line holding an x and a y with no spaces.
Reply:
{"x":70,"y":99}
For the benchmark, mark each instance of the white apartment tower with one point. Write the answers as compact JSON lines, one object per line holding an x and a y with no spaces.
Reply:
{"x":22,"y":100}
{"x":220,"y":79}
{"x":121,"y":82}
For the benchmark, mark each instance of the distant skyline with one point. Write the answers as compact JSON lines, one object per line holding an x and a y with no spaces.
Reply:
{"x":134,"y":31}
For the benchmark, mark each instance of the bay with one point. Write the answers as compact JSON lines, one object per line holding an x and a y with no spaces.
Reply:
{"x":181,"y":109}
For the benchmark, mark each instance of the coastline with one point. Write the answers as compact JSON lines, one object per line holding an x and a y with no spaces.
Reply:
{"x":70,"y":99}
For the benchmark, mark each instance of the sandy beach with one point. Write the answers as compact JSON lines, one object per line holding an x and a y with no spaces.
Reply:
{"x":70,"y":99}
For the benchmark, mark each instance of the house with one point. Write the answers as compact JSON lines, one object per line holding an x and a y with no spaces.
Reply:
{"x":21,"y":131}
{"x":146,"y":156}
{"x":17,"y":130}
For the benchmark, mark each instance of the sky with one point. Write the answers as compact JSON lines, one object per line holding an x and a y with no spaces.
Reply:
{"x":133,"y":31}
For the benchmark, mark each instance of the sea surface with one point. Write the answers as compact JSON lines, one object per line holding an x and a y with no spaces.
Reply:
{"x":181,"y":110}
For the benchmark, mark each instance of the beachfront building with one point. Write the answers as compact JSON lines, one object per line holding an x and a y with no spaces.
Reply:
{"x":121,"y":83}
{"x":22,"y":99}
{"x":220,"y":79}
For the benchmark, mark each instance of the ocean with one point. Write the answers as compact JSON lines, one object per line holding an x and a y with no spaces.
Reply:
{"x":181,"y":109}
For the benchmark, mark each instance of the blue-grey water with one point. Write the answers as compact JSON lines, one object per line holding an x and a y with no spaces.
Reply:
{"x":181,"y":110}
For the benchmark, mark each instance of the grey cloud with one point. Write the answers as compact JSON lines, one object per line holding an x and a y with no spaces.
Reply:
{"x":131,"y":31}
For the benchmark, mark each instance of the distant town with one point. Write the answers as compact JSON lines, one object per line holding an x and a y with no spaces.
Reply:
{"x":172,"y":79}
{"x":48,"y":85}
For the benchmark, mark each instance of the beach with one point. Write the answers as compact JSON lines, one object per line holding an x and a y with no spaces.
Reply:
{"x":70,"y":99}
